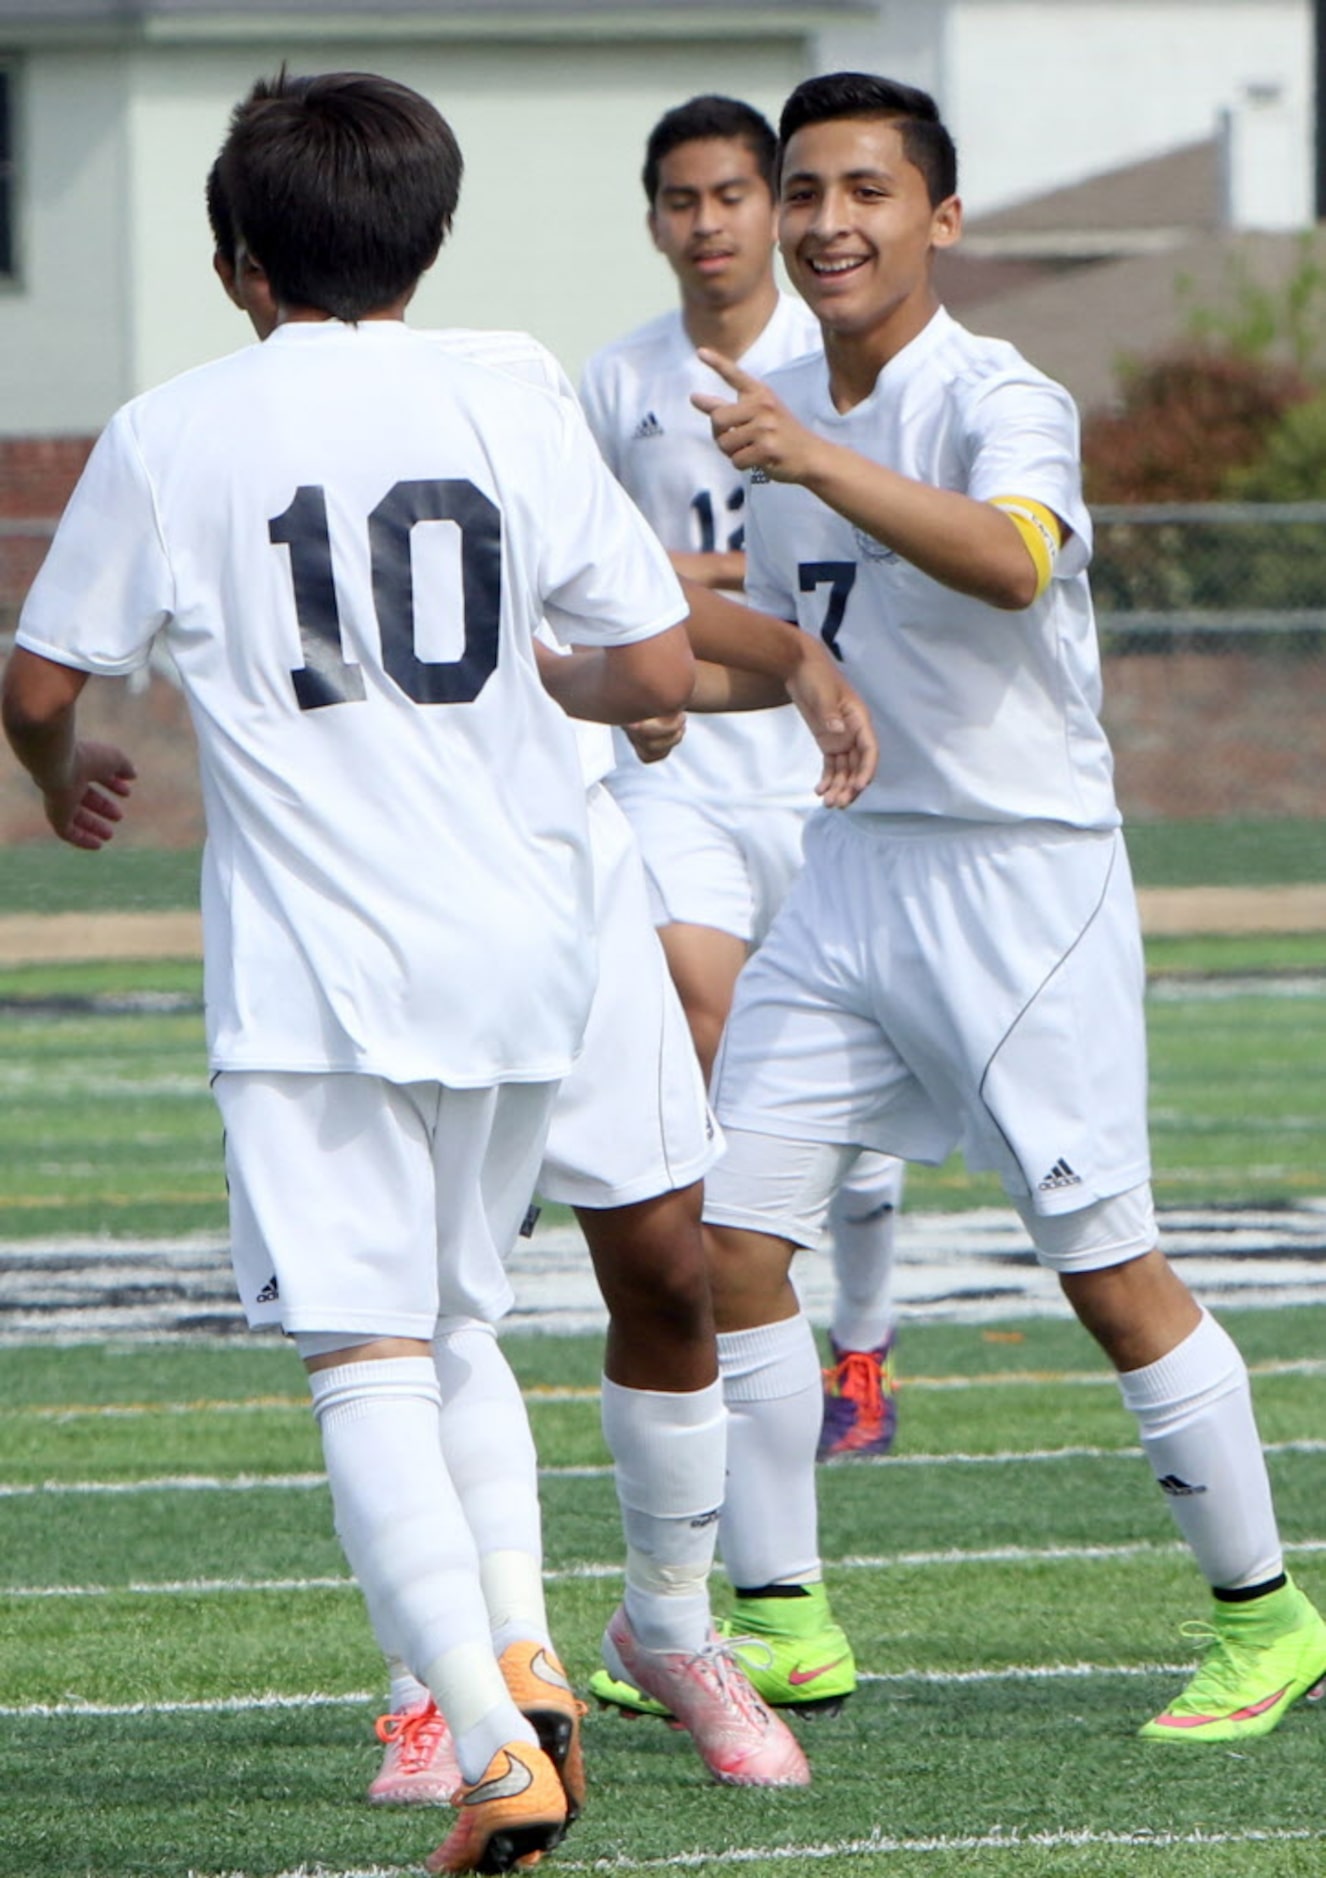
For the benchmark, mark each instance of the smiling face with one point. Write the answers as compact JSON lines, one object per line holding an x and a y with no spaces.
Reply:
{"x":857,"y":230}
{"x":713,"y":220}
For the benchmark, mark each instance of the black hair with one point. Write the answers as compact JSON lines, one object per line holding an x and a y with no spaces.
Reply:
{"x":709,"y":116}
{"x":925,"y":139}
{"x":342,"y":187}
{"x":218,"y":215}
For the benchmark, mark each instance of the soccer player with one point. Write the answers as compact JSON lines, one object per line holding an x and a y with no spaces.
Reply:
{"x":346,"y":539}
{"x":630,"y":1139}
{"x":721,"y":819}
{"x":959,"y":963}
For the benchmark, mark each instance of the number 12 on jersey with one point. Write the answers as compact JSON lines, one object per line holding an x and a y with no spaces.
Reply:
{"x":326,"y":677}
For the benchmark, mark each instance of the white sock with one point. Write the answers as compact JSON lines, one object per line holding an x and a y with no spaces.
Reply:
{"x":1194,"y":1411}
{"x":769,"y":1533}
{"x":405,"y":1688}
{"x":491,"y":1459}
{"x":863,"y":1219}
{"x":404,"y":1533}
{"x":669,"y":1453}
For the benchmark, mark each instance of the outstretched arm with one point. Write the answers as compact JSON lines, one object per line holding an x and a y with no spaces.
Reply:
{"x":772,"y":662}
{"x":968,"y":545}
{"x":83,"y":784}
{"x":723,"y":568}
{"x":618,"y":684}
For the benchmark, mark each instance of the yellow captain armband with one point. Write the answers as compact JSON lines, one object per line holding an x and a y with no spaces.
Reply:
{"x":1041,"y":530}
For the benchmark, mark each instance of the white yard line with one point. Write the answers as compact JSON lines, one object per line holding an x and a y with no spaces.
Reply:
{"x":592,"y":1570}
{"x":942,"y":1845}
{"x":365,"y":1698}
{"x":588,"y":1396}
{"x":998,"y":1839}
{"x":304,"y":1483}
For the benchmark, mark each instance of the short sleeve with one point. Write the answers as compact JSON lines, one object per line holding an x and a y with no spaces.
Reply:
{"x":606,"y":578}
{"x":598,"y":413}
{"x":105,"y":588}
{"x":1024,"y":438}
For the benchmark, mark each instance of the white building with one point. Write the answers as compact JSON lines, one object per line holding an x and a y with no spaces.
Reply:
{"x":111,"y":111}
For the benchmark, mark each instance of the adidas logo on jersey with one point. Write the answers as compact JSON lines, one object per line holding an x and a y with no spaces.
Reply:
{"x":270,"y":1292}
{"x":1060,"y":1175}
{"x":648,"y":426}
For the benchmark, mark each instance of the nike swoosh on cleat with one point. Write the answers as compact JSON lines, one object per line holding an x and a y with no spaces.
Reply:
{"x":547,"y":1671}
{"x":799,"y":1677}
{"x":505,"y":1787}
{"x":1239,"y":1714}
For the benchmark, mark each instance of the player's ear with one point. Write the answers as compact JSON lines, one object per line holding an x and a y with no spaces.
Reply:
{"x":224,"y":269}
{"x":946,"y":223}
{"x":651,"y":223}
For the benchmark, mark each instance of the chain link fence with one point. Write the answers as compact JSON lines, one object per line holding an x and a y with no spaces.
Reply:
{"x":1212,"y":620}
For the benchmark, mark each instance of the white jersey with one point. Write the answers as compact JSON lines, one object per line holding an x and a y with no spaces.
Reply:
{"x":347,"y":537}
{"x":529,"y":359}
{"x":982,"y":714}
{"x":637,"y":397}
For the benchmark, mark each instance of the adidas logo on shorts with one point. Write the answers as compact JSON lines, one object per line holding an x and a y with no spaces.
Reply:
{"x":270,"y":1292}
{"x":1060,"y":1175}
{"x":648,"y":426}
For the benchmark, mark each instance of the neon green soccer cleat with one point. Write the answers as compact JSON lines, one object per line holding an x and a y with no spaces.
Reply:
{"x":794,"y":1653}
{"x":608,"y":1692}
{"x":1260,"y":1657}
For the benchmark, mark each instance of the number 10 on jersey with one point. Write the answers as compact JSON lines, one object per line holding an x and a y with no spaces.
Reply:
{"x":326,"y":677}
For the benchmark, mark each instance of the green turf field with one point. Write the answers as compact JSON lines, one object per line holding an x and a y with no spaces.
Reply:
{"x":108,"y":1125}
{"x":188,"y":1686}
{"x":41,"y":877}
{"x":186,"y":1679}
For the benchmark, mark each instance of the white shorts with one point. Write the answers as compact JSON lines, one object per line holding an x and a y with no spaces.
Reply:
{"x":363,"y":1205}
{"x":711,"y":866}
{"x":784,"y":1188}
{"x":631,"y":1121}
{"x":931,"y":986}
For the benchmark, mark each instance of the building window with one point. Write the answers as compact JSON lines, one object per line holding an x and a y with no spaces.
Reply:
{"x":8,"y":209}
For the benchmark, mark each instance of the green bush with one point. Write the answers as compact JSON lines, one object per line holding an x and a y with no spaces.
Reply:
{"x":1292,"y":466}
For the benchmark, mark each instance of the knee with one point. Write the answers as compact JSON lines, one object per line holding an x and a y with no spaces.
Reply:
{"x":650,"y":1264}
{"x":1137,"y":1311}
{"x":749,"y":1276}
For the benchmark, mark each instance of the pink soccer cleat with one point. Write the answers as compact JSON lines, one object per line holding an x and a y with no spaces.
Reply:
{"x":739,"y":1740}
{"x":419,"y":1767}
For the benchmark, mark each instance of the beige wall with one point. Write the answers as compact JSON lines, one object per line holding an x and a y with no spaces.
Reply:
{"x":1041,"y":93}
{"x":63,"y":333}
{"x":550,"y":236}
{"x":1040,"y":97}
{"x":117,"y":292}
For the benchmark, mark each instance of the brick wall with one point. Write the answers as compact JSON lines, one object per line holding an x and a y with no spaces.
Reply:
{"x":1236,"y":733}
{"x":1230,"y":733}
{"x":36,"y":476}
